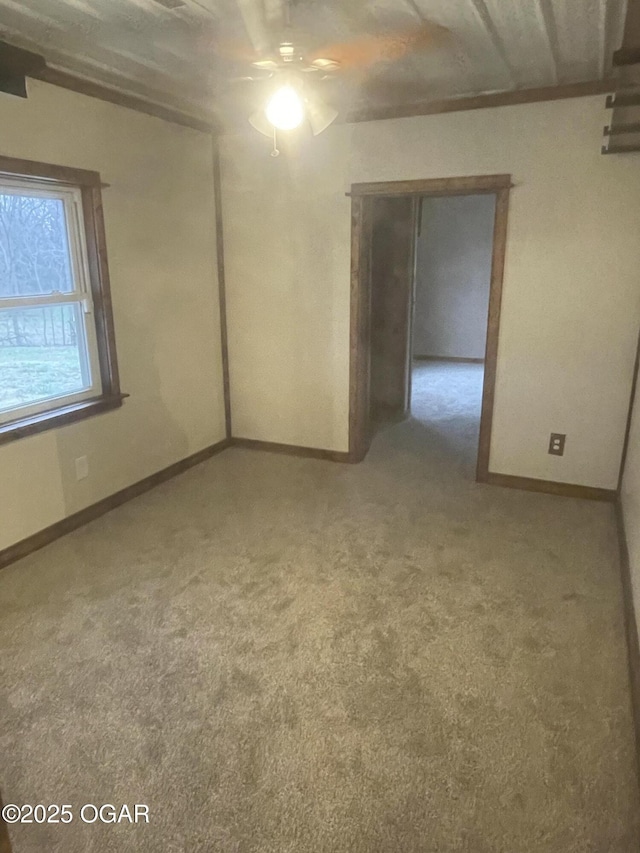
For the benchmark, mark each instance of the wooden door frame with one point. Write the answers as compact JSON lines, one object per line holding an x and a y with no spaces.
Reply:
{"x":360,"y":339}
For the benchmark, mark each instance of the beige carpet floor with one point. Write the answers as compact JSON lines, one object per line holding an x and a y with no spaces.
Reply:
{"x":280,"y":654}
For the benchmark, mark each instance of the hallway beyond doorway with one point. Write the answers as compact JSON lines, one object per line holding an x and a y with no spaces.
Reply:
{"x":443,"y":426}
{"x":446,"y":398}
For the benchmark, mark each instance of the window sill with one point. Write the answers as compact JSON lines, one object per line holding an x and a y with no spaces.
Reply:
{"x":22,"y":427}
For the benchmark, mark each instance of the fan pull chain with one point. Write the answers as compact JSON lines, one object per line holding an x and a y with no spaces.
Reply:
{"x":275,"y":152}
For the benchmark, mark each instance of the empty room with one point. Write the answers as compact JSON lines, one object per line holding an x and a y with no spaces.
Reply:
{"x":319,"y":430}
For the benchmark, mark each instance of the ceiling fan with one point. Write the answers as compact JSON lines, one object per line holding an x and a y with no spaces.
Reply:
{"x":293,"y":73}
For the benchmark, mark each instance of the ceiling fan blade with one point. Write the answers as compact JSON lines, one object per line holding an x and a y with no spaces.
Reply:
{"x":385,"y":48}
{"x":324,"y":64}
{"x":266,"y":64}
{"x":247,"y":79}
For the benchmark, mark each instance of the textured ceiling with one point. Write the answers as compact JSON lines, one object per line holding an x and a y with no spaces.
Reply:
{"x":181,"y":57}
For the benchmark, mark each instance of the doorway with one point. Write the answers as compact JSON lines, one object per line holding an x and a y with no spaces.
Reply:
{"x":388,"y":238}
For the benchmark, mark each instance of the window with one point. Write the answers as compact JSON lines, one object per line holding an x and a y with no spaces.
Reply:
{"x":57,"y":346}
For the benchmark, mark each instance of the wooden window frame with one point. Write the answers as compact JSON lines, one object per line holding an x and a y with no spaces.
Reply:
{"x":111,"y":396}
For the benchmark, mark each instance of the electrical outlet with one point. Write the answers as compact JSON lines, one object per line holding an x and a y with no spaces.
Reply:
{"x":556,"y":443}
{"x":82,"y":468}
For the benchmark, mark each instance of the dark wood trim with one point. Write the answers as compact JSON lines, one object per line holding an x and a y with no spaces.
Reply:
{"x":477,"y":102}
{"x":222,"y":290}
{"x":292,"y":450}
{"x":100,"y":283}
{"x":631,"y":628}
{"x":360,"y":328}
{"x":549,"y":487}
{"x":493,"y":332}
{"x":627,"y":431}
{"x":13,"y":84}
{"x":626,"y":56}
{"x":467,"y":185}
{"x":65,"y":80}
{"x":359,"y":379}
{"x":55,"y":418}
{"x":618,"y":129}
{"x":14,"y":167}
{"x":92,"y":89}
{"x":620,"y":149}
{"x":453,"y":358}
{"x":623,"y":99}
{"x":17,"y":60}
{"x":78,"y":519}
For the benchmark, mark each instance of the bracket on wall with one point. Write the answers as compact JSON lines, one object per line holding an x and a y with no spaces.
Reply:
{"x":16,"y":65}
{"x":626,"y":56}
{"x":622,"y":135}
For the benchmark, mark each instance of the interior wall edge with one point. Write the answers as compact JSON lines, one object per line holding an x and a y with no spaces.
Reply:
{"x":222,"y":293}
{"x":294,"y":450}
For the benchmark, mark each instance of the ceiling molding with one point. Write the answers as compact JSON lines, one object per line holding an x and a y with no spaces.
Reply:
{"x":65,"y":80}
{"x":477,"y":102}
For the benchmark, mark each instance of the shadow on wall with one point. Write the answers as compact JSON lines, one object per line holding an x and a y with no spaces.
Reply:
{"x":161,"y":439}
{"x":130,"y":443}
{"x":291,"y":374}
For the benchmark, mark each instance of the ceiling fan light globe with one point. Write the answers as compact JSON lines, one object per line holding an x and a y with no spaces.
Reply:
{"x":285,"y":109}
{"x":259,"y":121}
{"x":320,"y":115}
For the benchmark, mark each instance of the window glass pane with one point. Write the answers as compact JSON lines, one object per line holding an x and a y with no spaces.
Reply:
{"x":34,"y":248}
{"x":43,"y":354}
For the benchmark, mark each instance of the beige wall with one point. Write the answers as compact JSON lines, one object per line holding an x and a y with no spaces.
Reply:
{"x":570,"y":304}
{"x":630,"y":499}
{"x":453,"y":276}
{"x":160,"y":227}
